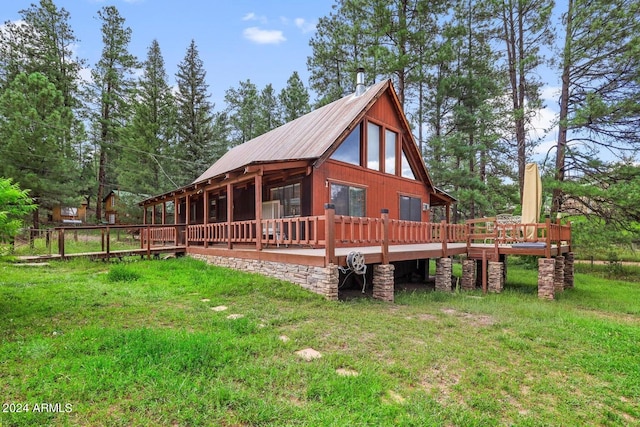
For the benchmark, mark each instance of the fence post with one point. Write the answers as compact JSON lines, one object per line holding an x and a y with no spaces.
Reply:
{"x":148,"y":242}
{"x":385,"y":235}
{"x":329,"y":233}
{"x":547,"y":251}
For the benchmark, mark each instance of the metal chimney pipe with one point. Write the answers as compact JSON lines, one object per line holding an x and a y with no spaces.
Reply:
{"x":360,"y":87}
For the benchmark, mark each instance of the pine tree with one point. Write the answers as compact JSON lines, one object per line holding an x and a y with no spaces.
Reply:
{"x":242,"y":110}
{"x":145,"y":162}
{"x":268,"y":110}
{"x":33,"y":124}
{"x":294,"y":99}
{"x":525,"y":29}
{"x":197,"y":144}
{"x":600,"y":94}
{"x":111,"y":93}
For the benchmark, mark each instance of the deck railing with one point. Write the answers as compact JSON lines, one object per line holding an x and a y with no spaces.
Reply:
{"x":332,"y":231}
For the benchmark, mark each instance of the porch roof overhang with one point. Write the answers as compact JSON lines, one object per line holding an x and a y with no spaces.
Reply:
{"x":442,"y":198}
{"x":245,"y":173}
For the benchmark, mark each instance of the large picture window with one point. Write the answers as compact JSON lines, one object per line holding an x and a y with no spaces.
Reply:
{"x":348,"y":200}
{"x":410,"y":208}
{"x":289,"y":196}
{"x":373,"y":146}
{"x":349,"y":150}
{"x":390,"y":139}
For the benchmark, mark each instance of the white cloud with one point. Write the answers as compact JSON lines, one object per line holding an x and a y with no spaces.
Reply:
{"x":251,"y":16}
{"x":304,"y":25}
{"x":260,"y":36}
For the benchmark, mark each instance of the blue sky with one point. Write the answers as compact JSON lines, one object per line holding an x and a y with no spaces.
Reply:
{"x":264,"y":41}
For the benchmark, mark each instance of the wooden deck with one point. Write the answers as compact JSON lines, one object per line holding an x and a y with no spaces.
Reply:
{"x":328,"y":239}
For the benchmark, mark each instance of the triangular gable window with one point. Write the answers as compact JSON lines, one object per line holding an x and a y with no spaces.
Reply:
{"x":349,"y":149}
{"x":407,"y":172}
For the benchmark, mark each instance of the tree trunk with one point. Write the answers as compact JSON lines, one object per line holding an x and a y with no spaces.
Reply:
{"x":561,"y":146}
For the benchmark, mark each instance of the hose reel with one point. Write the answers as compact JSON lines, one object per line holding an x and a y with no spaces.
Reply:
{"x":355,"y":264}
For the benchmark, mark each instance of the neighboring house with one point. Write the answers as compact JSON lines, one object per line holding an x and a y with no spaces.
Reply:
{"x":357,"y":153}
{"x":117,"y":206}
{"x":69,"y":214}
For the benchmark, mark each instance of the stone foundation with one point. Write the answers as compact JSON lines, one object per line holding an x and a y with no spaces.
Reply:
{"x":468,"y":282}
{"x":383,"y":283}
{"x":558,"y":275}
{"x":546,"y":278}
{"x":495,"y":280}
{"x":444,"y":270}
{"x":568,"y":270}
{"x":320,"y":280}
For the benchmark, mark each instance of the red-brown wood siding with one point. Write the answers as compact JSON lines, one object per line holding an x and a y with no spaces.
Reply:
{"x":383,"y":190}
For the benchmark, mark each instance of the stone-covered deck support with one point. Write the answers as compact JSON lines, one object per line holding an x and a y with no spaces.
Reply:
{"x":555,"y":275}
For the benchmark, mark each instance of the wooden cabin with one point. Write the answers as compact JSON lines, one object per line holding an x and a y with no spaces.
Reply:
{"x":296,"y":203}
{"x":357,"y":153}
{"x":69,"y":214}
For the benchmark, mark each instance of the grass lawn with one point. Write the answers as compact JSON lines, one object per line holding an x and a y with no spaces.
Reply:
{"x":139,"y":343}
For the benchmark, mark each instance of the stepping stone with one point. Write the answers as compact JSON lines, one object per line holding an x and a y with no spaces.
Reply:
{"x":235,"y":316}
{"x":309,"y":354}
{"x":205,"y":300}
{"x":343,"y":372}
{"x":219,"y":308}
{"x":283,"y":338}
{"x":395,"y":397}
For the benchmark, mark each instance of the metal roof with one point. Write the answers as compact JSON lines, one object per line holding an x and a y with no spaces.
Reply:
{"x":307,"y":137}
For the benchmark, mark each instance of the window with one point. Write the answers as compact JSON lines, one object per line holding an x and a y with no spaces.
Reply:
{"x":373,"y":146}
{"x":349,"y":150}
{"x":289,"y":196}
{"x":410,"y":208}
{"x":390,"y":139}
{"x":348,"y":200}
{"x":407,"y":172}
{"x":67,"y":211}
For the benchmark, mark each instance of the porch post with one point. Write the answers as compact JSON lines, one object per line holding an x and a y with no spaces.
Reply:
{"x":144,"y":215}
{"x":187,"y":219}
{"x":153,"y":214}
{"x":329,"y":233}
{"x":229,"y":214}
{"x":176,"y":218}
{"x":258,"y":193}
{"x":205,"y":199}
{"x":164,"y":212}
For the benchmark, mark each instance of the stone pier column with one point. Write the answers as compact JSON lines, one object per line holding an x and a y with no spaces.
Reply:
{"x":558,"y":275}
{"x":568,"y":270}
{"x":546,"y":274}
{"x":383,"y":283}
{"x":328,"y":283}
{"x":468,"y":282}
{"x":495,"y":282}
{"x":444,"y":270}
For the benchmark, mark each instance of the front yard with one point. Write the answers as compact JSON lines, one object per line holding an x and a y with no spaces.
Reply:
{"x":176,"y":342}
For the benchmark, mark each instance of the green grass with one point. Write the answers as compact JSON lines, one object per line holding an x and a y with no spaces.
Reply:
{"x":137,"y":343}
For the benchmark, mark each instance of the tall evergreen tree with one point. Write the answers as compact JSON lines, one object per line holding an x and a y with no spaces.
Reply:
{"x":197,"y":146}
{"x":111,"y":93}
{"x":33,"y":124}
{"x":145,"y":162}
{"x":242,"y":110}
{"x":268,"y":110}
{"x":294,"y":99}
{"x":600,"y":94}
{"x":525,"y":29}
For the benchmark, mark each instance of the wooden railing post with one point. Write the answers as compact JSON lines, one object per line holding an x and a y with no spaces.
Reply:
{"x":329,"y":233}
{"x":444,"y":235}
{"x":148,"y":242}
{"x":108,"y":243}
{"x":61,"y":242}
{"x":547,"y":251}
{"x":385,"y":235}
